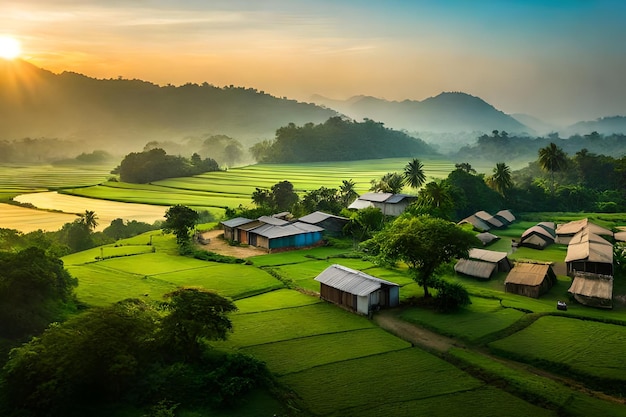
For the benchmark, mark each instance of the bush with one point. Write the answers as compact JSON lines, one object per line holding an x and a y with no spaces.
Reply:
{"x":450,"y":296}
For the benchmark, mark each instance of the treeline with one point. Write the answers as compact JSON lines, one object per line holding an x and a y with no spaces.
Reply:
{"x":156,"y":164}
{"x":500,"y":146}
{"x":338,"y":140}
{"x":225,"y":150}
{"x":39,"y":150}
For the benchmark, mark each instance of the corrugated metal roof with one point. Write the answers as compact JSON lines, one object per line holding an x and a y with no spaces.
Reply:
{"x":396,"y":198}
{"x":271,"y":231}
{"x":237,"y":221}
{"x":360,"y":204}
{"x":350,"y":280}
{"x":589,"y":286}
{"x":474,"y":268}
{"x":376,"y":197}
{"x":272,"y":220}
{"x":527,"y":274}
{"x":487,"y":255}
{"x":587,"y":246}
{"x":250,"y":226}
{"x":319,"y":216}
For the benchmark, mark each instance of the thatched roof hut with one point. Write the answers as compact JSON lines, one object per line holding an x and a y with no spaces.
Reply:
{"x":530,"y":280}
{"x":486,"y":238}
{"x":500,"y":259}
{"x":565,"y":232}
{"x":588,"y":252}
{"x":537,"y":237}
{"x":592,"y":289}
{"x":505,"y":216}
{"x":477,"y":269}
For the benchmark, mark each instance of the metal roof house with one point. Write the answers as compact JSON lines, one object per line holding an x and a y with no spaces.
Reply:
{"x":230,"y":228}
{"x":390,"y":204}
{"x":588,"y":252}
{"x":530,"y":280}
{"x":356,"y":290}
{"x":331,"y":223}
{"x":592,"y":290}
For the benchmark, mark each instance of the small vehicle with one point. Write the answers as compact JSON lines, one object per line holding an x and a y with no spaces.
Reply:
{"x":561,"y":305}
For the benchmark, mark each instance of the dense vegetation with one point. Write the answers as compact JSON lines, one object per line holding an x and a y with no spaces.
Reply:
{"x":338,"y":139}
{"x":155,"y":164}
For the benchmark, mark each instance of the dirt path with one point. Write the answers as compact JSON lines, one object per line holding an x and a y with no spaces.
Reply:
{"x":417,"y":335}
{"x":219,"y":245}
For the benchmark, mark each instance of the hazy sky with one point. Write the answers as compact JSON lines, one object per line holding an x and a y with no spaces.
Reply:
{"x":559,"y":60}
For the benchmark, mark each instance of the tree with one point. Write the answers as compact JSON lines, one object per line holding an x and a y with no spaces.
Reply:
{"x":347,"y":193}
{"x":391,"y":182}
{"x":194,"y":314}
{"x":180,"y":220}
{"x":465,"y":166}
{"x":414,"y":174}
{"x":552,"y":159}
{"x":89,"y":219}
{"x":284,"y":196}
{"x":424,"y":243}
{"x":501,"y":180}
{"x":364,"y":222}
{"x":435,"y":199}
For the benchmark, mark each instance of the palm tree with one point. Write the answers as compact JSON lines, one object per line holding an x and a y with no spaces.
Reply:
{"x":347,"y":193}
{"x":501,"y":179}
{"x":89,"y":219}
{"x":391,"y":182}
{"x":414,"y":174}
{"x":465,"y":166}
{"x":435,"y":199}
{"x":552,"y":159}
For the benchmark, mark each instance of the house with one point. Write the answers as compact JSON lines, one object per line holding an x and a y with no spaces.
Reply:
{"x":588,"y":252}
{"x":333,"y":225}
{"x":529,"y":279}
{"x":489,"y":219}
{"x":285,"y":236}
{"x":230,"y":228}
{"x":390,"y":204}
{"x":592,"y":290}
{"x":565,"y":232}
{"x":477,"y":269}
{"x":486,"y":238}
{"x":477,"y":223}
{"x":539,"y":236}
{"x":620,"y":235}
{"x":500,"y":259}
{"x":356,"y":290}
{"x":505,"y":216}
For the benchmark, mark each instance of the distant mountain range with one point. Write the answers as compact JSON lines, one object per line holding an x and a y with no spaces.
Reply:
{"x":123,"y":115}
{"x":445,"y":113}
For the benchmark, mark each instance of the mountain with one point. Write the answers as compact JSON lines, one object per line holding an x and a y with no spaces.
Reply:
{"x":125,"y":114}
{"x":445,"y":113}
{"x":536,"y":125}
{"x":604,"y":125}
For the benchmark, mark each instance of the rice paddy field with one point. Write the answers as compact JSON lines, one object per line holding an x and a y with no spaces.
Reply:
{"x":337,"y":363}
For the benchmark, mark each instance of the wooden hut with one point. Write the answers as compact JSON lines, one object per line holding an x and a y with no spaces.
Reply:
{"x":476,"y":269}
{"x":588,"y":252}
{"x":592,"y":289}
{"x":530,"y":280}
{"x":477,"y":223}
{"x":500,"y":259}
{"x":486,"y":238}
{"x":538,"y":237}
{"x":505,"y":216}
{"x":565,"y":232}
{"x":356,"y":290}
{"x":489,"y":219}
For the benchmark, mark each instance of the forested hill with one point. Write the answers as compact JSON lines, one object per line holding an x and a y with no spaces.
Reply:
{"x":446,"y":112}
{"x":339,"y":140}
{"x":38,"y":103}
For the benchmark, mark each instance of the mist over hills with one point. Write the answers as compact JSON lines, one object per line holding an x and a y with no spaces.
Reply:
{"x":450,"y":112}
{"x":128,"y":113}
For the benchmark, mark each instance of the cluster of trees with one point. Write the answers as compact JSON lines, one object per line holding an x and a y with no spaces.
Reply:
{"x":225,"y":150}
{"x":155,"y":164}
{"x":337,"y":140}
{"x":132,"y":353}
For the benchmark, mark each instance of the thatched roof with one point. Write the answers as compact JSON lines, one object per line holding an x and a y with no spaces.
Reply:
{"x":621,"y":235}
{"x":474,"y":268}
{"x":576,"y":226}
{"x":529,"y":274}
{"x":487,"y":237}
{"x":487,"y":255}
{"x":538,"y":230}
{"x":491,"y":220}
{"x":587,"y":246}
{"x":350,"y":280}
{"x":550,"y":227}
{"x":592,"y":285}
{"x":506,"y":215}
{"x":478,"y":223}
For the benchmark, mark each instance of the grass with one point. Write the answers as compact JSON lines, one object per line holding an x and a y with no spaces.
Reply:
{"x":585,"y":347}
{"x":274,"y":300}
{"x":295,"y":355}
{"x":482,"y":317}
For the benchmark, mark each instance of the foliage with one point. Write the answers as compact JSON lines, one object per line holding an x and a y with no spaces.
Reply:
{"x":120,"y":229}
{"x":363,"y":223}
{"x":470,"y":194}
{"x":424,"y":243}
{"x":339,"y":140}
{"x":155,"y":164}
{"x":501,"y":180}
{"x":391,"y":182}
{"x":194,"y":314}
{"x":180,"y":220}
{"x":414,"y":173}
{"x":323,"y":199}
{"x":450,"y":296}
{"x":280,"y":197}
{"x":35,"y":290}
{"x":434,"y":199}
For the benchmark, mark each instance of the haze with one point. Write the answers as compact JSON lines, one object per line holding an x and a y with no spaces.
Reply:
{"x":562,"y":61}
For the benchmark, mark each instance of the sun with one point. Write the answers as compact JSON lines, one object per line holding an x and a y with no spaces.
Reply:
{"x":9,"y":47}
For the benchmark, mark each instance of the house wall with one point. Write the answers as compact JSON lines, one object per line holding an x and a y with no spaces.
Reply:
{"x":338,"y":297}
{"x":228,"y":233}
{"x":528,"y":290}
{"x":392,"y":209}
{"x":363,"y":304}
{"x":295,"y":241}
{"x":593,"y":267}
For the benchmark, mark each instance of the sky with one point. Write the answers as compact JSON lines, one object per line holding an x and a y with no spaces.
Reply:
{"x":559,"y":60}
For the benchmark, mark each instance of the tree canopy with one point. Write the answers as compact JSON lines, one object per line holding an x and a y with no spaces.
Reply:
{"x":180,"y":220}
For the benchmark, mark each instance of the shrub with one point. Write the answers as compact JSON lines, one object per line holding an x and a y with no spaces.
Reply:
{"x":450,"y":296}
